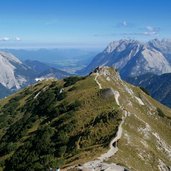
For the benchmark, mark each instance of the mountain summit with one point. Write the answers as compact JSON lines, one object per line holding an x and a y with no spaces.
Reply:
{"x":97,"y":122}
{"x":131,"y":58}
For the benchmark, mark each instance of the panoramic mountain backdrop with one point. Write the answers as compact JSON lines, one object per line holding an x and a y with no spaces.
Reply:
{"x":68,"y":59}
{"x":16,"y":74}
{"x":139,"y":63}
{"x":133,"y":58}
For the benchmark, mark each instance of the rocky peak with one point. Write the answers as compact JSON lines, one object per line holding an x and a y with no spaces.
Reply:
{"x":9,"y":57}
{"x":121,"y":44}
{"x":133,"y":58}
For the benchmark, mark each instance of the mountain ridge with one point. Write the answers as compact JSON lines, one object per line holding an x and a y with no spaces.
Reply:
{"x":80,"y":118}
{"x":131,"y":58}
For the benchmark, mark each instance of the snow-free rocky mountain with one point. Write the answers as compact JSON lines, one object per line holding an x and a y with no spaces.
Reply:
{"x":93,"y":123}
{"x":133,"y":58}
{"x":164,"y":46}
{"x":15,"y":74}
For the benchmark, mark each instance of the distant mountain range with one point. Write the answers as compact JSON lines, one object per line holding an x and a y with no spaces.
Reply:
{"x":45,"y":71}
{"x":133,"y":58}
{"x":142,"y":64}
{"x":137,"y":62}
{"x":66,"y":59}
{"x":16,"y":74}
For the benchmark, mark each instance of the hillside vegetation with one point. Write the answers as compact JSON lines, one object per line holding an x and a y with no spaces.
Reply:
{"x":54,"y":123}
{"x":72,"y":121}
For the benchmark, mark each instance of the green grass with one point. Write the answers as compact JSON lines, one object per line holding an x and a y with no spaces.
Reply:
{"x":78,"y":126}
{"x":90,"y":125}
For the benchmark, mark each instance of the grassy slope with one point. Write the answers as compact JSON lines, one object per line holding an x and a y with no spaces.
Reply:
{"x":91,"y":124}
{"x":138,"y":149}
{"x":92,"y":127}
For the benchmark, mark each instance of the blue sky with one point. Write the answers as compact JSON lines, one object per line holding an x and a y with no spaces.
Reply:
{"x":81,"y":23}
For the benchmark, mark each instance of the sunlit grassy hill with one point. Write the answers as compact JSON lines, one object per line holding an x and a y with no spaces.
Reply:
{"x":72,"y":121}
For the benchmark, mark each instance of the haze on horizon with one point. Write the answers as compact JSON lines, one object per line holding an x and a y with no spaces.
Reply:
{"x":81,"y":23}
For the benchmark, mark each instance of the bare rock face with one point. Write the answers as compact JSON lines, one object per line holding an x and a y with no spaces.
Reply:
{"x":131,"y":58}
{"x":8,"y":76}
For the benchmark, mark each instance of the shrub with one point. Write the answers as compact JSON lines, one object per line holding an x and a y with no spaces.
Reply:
{"x":144,"y":90}
{"x":160,"y":113}
{"x":62,"y":138}
{"x":62,"y":150}
{"x":72,"y":80}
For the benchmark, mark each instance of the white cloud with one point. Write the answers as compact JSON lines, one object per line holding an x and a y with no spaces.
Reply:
{"x":17,"y":38}
{"x":123,"y":24}
{"x":140,"y":31}
{"x":151,"y":31}
{"x":4,"y":39}
{"x":150,"y":28}
{"x":146,"y":31}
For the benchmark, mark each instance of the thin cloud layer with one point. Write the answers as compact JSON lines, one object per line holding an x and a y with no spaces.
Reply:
{"x":6,"y":39}
{"x":123,"y":24}
{"x":151,"y":31}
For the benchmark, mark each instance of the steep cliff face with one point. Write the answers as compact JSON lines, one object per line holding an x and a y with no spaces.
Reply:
{"x":164,"y":46}
{"x":131,"y":58}
{"x":9,"y":77}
